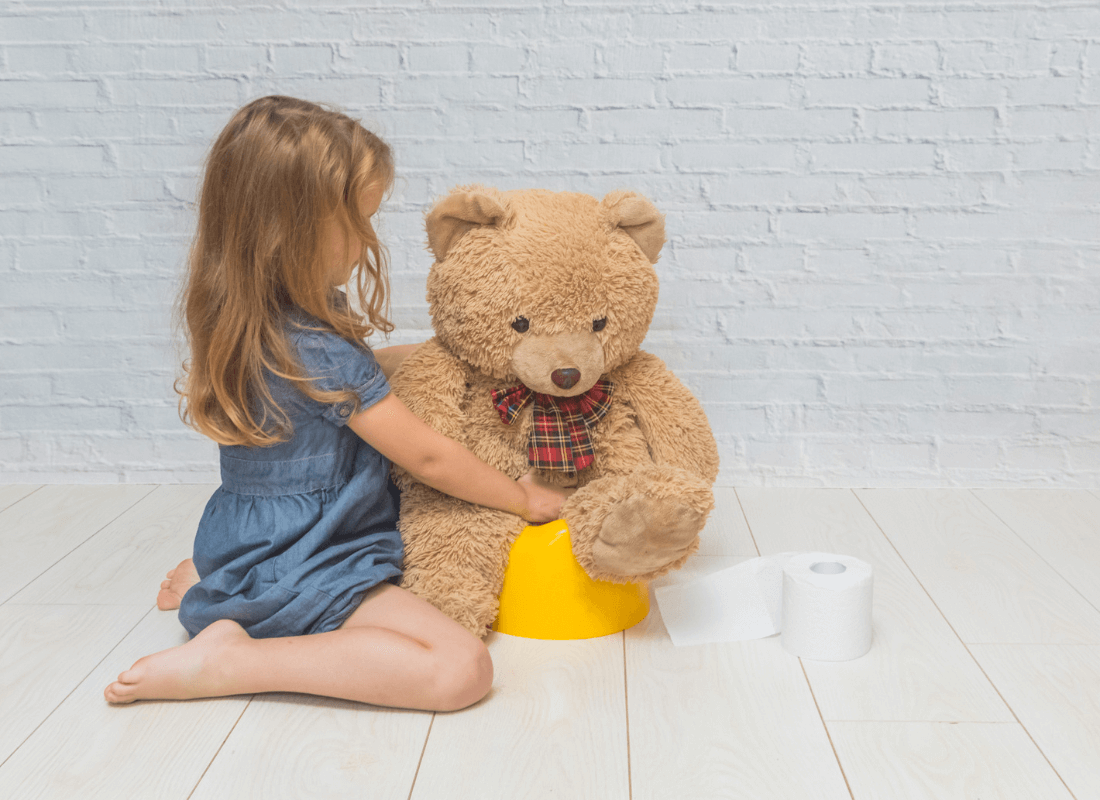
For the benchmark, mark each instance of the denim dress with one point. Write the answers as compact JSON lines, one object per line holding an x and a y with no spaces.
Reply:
{"x":300,"y":530}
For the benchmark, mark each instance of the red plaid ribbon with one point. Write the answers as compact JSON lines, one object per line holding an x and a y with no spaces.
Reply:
{"x":559,"y":440}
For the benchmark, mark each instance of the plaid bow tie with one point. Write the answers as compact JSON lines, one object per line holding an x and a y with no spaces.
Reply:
{"x":559,"y":440}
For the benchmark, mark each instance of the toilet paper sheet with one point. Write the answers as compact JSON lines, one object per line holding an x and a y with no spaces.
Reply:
{"x":824,"y":615}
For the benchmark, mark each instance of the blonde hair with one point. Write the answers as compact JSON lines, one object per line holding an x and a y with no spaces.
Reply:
{"x":277,"y":178}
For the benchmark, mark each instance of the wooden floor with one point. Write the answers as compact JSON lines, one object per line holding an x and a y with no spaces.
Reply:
{"x":983,"y":680}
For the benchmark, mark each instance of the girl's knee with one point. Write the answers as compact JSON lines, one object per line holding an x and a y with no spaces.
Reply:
{"x":465,"y":675}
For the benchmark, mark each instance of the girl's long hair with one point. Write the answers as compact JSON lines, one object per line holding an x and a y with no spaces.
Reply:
{"x":280,"y":175}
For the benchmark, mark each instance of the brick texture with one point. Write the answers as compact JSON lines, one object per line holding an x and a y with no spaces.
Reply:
{"x":883,"y":218}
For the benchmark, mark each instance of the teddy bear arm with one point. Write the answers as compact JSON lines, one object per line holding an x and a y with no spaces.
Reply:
{"x":621,"y":447}
{"x":671,"y":419}
{"x":431,"y":382}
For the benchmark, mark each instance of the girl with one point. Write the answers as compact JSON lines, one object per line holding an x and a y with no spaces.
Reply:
{"x":301,"y":536}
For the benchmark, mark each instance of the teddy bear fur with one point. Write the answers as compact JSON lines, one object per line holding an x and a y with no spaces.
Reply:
{"x":580,"y":272}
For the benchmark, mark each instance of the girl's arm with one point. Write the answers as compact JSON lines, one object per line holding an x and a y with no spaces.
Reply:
{"x":390,"y":358}
{"x":444,"y":464}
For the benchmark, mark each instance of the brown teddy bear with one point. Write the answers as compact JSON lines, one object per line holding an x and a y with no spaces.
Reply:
{"x":540,"y":301}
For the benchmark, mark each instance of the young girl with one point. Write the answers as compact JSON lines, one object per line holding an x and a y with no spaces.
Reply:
{"x":301,"y":536}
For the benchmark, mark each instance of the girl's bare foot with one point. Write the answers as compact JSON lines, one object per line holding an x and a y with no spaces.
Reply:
{"x":195,"y":669}
{"x":175,"y":586}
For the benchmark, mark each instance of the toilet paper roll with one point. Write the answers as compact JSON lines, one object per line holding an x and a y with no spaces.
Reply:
{"x":823,"y":614}
{"x":827,"y":606}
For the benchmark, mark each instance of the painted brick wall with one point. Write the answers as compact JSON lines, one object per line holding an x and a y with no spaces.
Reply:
{"x":883,"y":218}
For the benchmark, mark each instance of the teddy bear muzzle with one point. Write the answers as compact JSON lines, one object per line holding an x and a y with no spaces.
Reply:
{"x":562,"y":364}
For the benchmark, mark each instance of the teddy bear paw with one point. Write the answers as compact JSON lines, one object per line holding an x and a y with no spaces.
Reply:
{"x":641,"y":535}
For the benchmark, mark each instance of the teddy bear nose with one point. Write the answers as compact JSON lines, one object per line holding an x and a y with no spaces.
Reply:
{"x":565,"y":378}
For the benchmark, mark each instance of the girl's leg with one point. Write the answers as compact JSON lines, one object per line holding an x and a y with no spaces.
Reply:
{"x":395,"y":650}
{"x":463,"y":658}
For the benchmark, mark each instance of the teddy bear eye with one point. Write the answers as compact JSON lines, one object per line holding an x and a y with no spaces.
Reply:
{"x":521,"y":324}
{"x":599,"y":324}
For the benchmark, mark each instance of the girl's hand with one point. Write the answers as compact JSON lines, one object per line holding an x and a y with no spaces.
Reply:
{"x":543,"y":501}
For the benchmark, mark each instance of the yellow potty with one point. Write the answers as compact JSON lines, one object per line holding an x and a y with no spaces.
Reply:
{"x":547,"y":595}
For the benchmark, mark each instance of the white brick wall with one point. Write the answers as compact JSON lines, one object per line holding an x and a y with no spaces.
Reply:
{"x":884,"y":217}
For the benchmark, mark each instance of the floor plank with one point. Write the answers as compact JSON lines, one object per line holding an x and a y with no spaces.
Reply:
{"x":128,"y":558}
{"x":11,"y":493}
{"x":45,"y":652}
{"x":726,"y":533}
{"x":1055,"y":691}
{"x":90,"y":749}
{"x":42,"y":528}
{"x":989,"y":584}
{"x":299,"y":747}
{"x":729,"y":720}
{"x":917,"y":669}
{"x":945,"y":761}
{"x":554,"y":725}
{"x":1062,"y":526}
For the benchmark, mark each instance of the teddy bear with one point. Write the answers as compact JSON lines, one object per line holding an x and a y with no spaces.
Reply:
{"x":540,"y":302}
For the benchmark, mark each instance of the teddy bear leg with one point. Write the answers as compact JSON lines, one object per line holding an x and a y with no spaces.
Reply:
{"x":466,"y":596}
{"x":638,"y":526}
{"x":455,"y":554}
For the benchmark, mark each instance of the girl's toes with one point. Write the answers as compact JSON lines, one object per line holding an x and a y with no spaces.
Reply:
{"x":131,"y":676}
{"x":119,"y":693}
{"x":125,"y":689}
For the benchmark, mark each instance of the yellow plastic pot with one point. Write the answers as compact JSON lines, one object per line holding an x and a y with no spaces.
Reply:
{"x":547,"y":595}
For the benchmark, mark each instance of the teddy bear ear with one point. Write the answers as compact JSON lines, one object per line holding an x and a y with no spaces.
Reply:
{"x":463,"y":209}
{"x":639,"y":218}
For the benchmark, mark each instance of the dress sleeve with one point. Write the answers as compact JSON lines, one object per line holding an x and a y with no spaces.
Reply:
{"x":336,"y":364}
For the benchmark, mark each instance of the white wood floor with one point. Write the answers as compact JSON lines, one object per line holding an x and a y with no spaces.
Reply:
{"x":983,"y":680}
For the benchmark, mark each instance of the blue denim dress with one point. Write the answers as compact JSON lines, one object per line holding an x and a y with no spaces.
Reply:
{"x":300,"y":530}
